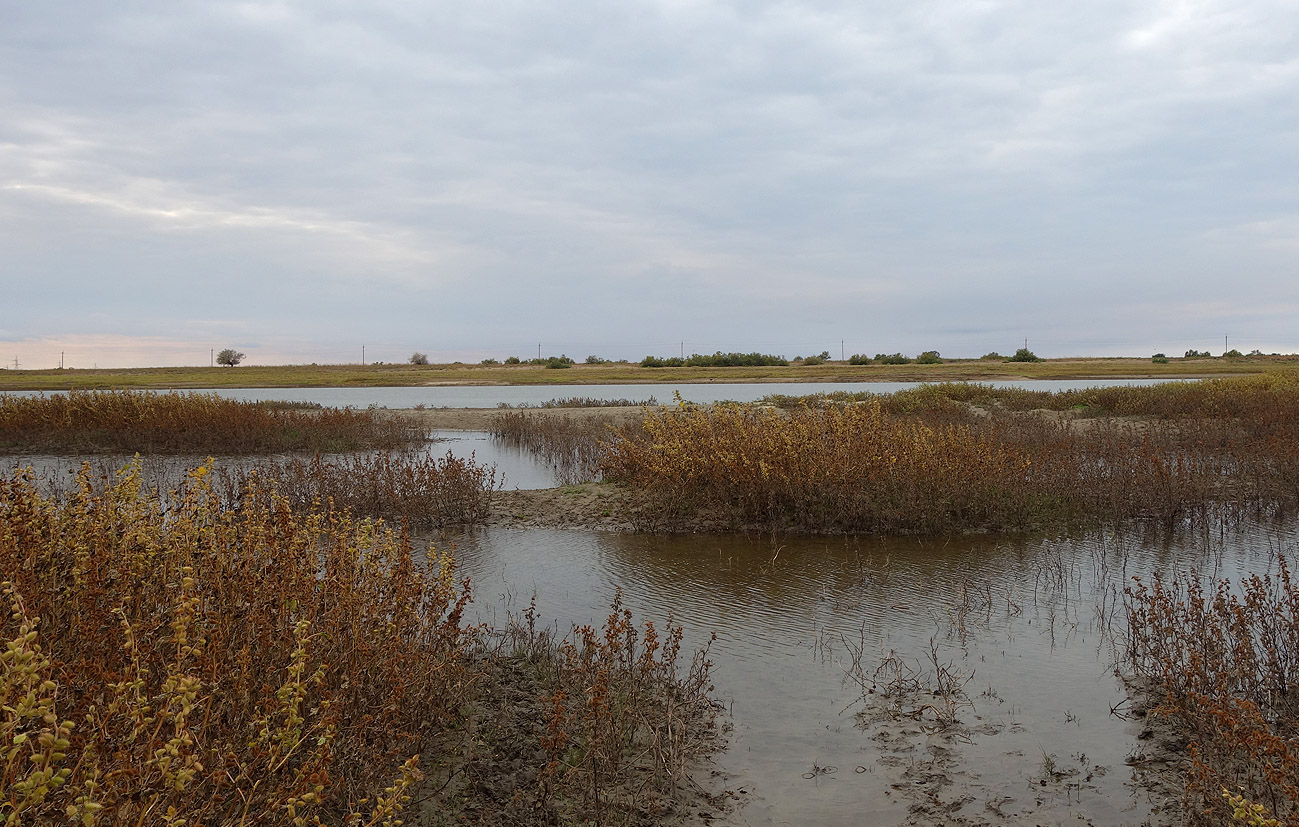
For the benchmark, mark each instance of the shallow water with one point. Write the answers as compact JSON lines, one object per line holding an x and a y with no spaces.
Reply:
{"x":515,"y":468}
{"x":491,"y":396}
{"x":1031,"y":620}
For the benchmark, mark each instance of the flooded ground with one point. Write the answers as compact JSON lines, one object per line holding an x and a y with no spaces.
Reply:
{"x":515,"y":468}
{"x":1028,"y":628}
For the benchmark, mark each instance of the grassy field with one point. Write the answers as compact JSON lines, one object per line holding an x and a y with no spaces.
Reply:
{"x":309,"y":376}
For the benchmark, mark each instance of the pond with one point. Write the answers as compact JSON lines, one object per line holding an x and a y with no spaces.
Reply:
{"x":1031,"y":624}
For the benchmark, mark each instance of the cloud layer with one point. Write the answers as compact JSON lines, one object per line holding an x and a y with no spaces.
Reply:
{"x":298,"y":179}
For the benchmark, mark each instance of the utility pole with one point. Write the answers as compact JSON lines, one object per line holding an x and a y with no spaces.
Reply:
{"x":211,"y":357}
{"x":841,"y":350}
{"x":538,"y":350}
{"x":1224,"y":343}
{"x":362,"y":355}
{"x":60,"y":360}
{"x":683,"y":349}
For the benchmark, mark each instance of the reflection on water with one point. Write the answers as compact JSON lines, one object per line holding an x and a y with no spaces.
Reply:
{"x":1033,"y":620}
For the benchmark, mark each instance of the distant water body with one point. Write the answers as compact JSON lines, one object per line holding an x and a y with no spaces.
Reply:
{"x":493,"y":396}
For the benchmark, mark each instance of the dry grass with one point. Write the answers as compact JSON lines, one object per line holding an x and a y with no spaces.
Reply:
{"x":1224,"y":658}
{"x":573,"y":447}
{"x":418,"y":489}
{"x":1268,"y":396}
{"x":858,"y":468}
{"x":375,"y":375}
{"x":82,"y":422}
{"x":951,"y":458}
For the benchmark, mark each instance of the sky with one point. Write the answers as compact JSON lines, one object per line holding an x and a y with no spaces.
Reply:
{"x":325,"y":181}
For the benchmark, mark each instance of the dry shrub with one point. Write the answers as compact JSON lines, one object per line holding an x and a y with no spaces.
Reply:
{"x":620,"y":721}
{"x":171,"y":661}
{"x":1269,"y":398}
{"x":131,"y":421}
{"x":420,"y":489}
{"x":572,"y":447}
{"x":861,"y":468}
{"x":183,"y":659}
{"x":1225,"y":661}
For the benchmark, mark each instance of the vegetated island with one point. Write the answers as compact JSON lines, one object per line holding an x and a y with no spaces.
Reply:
{"x":557,"y":372}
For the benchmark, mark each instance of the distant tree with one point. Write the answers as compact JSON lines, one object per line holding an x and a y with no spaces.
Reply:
{"x":992,"y":356}
{"x":229,"y":357}
{"x":1159,"y":359}
{"x":418,"y":358}
{"x":489,"y":361}
{"x":929,"y":357}
{"x":513,"y":360}
{"x":1233,"y":354}
{"x":1197,"y":354}
{"x":1024,"y":355}
{"x":596,"y":360}
{"x":859,"y":359}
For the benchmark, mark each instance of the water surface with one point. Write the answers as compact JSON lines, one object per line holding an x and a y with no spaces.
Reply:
{"x":1033,"y":621}
{"x":491,"y":396}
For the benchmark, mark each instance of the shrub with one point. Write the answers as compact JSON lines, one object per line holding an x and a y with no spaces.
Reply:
{"x":929,"y":357}
{"x":859,"y":359}
{"x":556,"y":362}
{"x":170,"y":660}
{"x":717,"y":360}
{"x":891,"y":359}
{"x":99,"y":421}
{"x":657,"y":362}
{"x":489,"y":361}
{"x":814,"y":360}
{"x":423,"y":490}
{"x":417,"y":358}
{"x":1222,"y":661}
{"x":1232,"y":354}
{"x":1197,"y":354}
{"x":992,"y":356}
{"x":1159,"y":359}
{"x":512,"y":360}
{"x":921,"y":460}
{"x":217,"y":666}
{"x":846,"y":468}
{"x":596,"y":360}
{"x":1024,"y":355}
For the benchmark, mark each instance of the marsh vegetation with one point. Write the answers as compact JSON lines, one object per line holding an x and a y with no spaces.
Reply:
{"x":178,"y":660}
{"x":257,"y":645}
{"x":87,"y":422}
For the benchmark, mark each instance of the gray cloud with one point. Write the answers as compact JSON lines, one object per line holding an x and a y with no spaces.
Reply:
{"x":469,"y":178}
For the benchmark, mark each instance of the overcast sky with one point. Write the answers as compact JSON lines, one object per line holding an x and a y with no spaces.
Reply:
{"x":301,"y":179}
